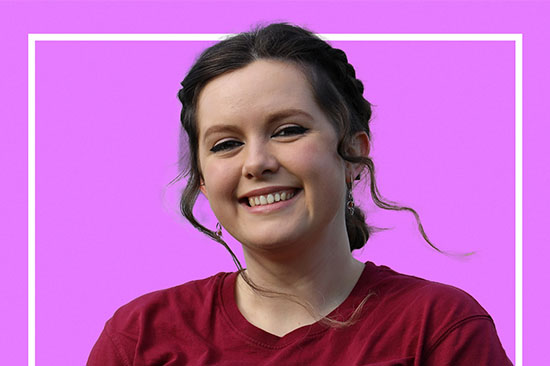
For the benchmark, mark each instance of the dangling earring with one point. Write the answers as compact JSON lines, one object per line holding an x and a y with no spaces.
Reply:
{"x":350,"y":204}
{"x":219,"y":230}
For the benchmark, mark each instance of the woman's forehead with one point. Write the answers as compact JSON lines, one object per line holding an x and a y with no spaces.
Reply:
{"x":262,"y":87}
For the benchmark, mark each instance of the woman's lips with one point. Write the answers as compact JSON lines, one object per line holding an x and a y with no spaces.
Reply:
{"x":270,"y":201}
{"x":270,"y":198}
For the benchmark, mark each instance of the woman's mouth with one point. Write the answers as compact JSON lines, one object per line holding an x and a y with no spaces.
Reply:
{"x":271,"y":198}
{"x":267,"y":199}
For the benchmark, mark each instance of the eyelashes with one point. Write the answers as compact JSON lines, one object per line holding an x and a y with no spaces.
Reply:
{"x":226,"y":145}
{"x":288,"y":131}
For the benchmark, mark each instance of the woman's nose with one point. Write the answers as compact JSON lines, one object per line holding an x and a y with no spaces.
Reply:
{"x":259,"y":161}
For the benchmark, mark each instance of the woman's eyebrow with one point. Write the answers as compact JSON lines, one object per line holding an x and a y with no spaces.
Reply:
{"x":279,"y":115}
{"x":220,"y":128}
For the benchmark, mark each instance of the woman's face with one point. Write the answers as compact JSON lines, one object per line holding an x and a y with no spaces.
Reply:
{"x":268,"y":158}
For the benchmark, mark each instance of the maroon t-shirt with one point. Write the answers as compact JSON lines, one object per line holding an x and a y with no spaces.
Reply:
{"x":408,"y":321}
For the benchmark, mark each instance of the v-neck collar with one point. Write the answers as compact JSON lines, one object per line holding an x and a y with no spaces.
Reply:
{"x":265,"y":339}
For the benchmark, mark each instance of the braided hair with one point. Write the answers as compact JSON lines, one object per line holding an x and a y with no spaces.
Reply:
{"x":335,"y":88}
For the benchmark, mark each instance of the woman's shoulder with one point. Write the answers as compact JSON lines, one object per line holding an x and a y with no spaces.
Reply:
{"x":164,"y":305}
{"x":414,"y":294}
{"x":157,"y":321}
{"x":434,"y":321}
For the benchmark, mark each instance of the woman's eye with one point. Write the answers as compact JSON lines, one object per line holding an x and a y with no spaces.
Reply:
{"x":290,"y":131}
{"x":226,"y":145}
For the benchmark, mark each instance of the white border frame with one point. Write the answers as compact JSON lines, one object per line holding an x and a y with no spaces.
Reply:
{"x":516,"y":38}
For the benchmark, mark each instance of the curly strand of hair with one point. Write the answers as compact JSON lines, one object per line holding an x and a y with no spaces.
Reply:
{"x":352,"y":319}
{"x":389,"y":205}
{"x":363,"y":108}
{"x":190,"y":195}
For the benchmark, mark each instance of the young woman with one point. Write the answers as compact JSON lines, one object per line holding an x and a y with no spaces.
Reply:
{"x":278,"y":132}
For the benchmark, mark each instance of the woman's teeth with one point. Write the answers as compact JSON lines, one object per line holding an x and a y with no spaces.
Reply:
{"x":270,"y":198}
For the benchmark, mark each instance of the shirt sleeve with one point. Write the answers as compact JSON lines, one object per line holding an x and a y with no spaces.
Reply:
{"x":111,"y":350}
{"x":472,"y":341}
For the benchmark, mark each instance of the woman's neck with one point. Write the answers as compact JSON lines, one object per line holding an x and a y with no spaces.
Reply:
{"x":320,"y":276}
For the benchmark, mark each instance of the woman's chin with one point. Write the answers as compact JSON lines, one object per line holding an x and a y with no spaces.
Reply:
{"x":275,"y":243}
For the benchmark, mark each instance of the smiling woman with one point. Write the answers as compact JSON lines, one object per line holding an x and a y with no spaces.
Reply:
{"x":273,"y":141}
{"x":278,"y":132}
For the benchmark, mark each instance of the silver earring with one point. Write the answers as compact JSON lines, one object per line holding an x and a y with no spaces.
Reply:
{"x":219,"y":230}
{"x":350,"y":203}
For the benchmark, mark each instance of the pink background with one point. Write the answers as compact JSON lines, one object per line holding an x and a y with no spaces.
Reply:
{"x":108,"y":228}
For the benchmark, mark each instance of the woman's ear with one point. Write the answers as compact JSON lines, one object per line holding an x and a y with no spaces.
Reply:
{"x":202,"y":187}
{"x":359,"y":146}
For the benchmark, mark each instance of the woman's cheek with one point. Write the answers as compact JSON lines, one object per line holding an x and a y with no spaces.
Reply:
{"x":220,"y":178}
{"x":318,"y":161}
